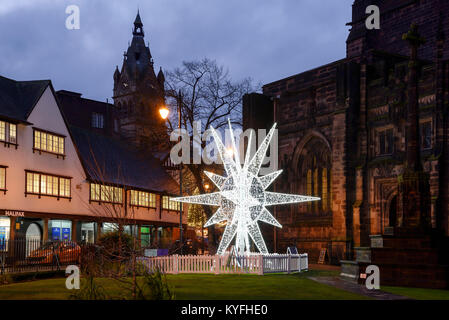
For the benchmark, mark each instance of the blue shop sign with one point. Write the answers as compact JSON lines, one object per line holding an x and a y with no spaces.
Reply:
{"x":2,"y":238}
{"x":65,"y":233}
{"x":56,"y":233}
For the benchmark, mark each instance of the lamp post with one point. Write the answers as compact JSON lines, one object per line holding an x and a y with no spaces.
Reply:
{"x":206,"y":187}
{"x":164,"y":112}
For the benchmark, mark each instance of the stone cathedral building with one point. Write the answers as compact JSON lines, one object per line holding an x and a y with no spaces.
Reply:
{"x":369,"y":135}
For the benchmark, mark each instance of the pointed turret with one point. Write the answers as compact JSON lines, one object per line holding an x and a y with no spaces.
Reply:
{"x":138,"y":26}
{"x":116,"y":73}
{"x":161,"y":78}
{"x":116,"y":78}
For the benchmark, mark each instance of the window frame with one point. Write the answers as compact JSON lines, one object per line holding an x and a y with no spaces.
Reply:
{"x":142,"y":206}
{"x":40,"y":194}
{"x":4,"y":190}
{"x":384,"y":132}
{"x":421,"y":138}
{"x":58,"y":135}
{"x":100,"y":201}
{"x":168,"y":202}
{"x":7,"y":142}
{"x":316,"y":186}
{"x":97,"y":118}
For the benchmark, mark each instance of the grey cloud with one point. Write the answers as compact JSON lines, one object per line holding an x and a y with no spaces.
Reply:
{"x":262,"y":39}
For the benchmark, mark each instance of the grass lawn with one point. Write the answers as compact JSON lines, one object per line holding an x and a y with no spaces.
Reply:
{"x":202,"y":286}
{"x":418,"y":293}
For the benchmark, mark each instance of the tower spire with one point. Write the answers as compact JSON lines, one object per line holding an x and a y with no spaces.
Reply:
{"x":138,"y":25}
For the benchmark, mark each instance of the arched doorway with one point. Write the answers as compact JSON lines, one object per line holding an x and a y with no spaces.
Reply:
{"x":392,"y":212}
{"x":33,"y":238}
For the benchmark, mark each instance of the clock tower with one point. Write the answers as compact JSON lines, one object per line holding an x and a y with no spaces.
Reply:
{"x":138,"y":94}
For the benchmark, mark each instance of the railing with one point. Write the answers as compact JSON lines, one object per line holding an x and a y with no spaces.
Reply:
{"x":25,"y":255}
{"x":285,"y":263}
{"x":22,"y":255}
{"x":252,"y":264}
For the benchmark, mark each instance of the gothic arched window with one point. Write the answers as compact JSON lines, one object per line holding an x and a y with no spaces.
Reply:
{"x":315,"y":175}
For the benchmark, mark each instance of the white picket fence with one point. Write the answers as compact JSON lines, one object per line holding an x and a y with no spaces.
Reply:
{"x":255,"y":264}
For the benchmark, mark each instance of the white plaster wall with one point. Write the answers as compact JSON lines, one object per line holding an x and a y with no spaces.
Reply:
{"x":46,"y":116}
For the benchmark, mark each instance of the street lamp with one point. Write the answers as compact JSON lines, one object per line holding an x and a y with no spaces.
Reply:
{"x":206,"y":187}
{"x":164,"y":112}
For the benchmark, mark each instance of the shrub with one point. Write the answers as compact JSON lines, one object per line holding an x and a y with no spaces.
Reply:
{"x":154,"y":286}
{"x":110,"y":242}
{"x":90,"y":290}
{"x":6,"y":279}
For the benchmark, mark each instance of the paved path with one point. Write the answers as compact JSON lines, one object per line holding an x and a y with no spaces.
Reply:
{"x":327,"y":267}
{"x":357,"y":288}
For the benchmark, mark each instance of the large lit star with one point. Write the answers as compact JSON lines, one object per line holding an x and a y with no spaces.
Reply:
{"x":242,"y":199}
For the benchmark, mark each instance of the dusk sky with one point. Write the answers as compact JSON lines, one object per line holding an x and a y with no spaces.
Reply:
{"x":262,"y":39}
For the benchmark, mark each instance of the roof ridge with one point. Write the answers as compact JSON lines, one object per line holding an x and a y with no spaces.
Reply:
{"x":27,"y":81}
{"x":80,"y":97}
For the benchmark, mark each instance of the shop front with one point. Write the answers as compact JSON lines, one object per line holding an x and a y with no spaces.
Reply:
{"x":60,"y":230}
{"x":87,"y":232}
{"x":41,"y":227}
{"x":5,"y":225}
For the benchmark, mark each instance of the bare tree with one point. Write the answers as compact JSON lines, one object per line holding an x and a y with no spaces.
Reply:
{"x":204,"y":91}
{"x":109,"y":190}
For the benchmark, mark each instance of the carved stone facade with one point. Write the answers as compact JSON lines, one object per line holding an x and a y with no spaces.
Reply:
{"x":347,"y":120}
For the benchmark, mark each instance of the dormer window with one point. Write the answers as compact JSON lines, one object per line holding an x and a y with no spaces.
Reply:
{"x":8,"y":133}
{"x":143,"y":199}
{"x":48,"y":142}
{"x":106,"y":194}
{"x":97,"y":120}
{"x":169,"y":204}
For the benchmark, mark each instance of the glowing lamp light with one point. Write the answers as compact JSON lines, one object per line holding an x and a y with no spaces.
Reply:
{"x":242,"y":197}
{"x":164,"y":112}
{"x":230,"y":152}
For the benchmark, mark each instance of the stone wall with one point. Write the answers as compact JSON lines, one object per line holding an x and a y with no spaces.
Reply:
{"x":353,"y":112}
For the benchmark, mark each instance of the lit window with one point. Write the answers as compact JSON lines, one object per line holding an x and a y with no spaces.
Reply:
{"x":324,"y":194}
{"x":47,"y":185}
{"x":3,"y":178}
{"x":143,"y":199}
{"x":48,"y":142}
{"x":170,"y":204}
{"x":103,"y":193}
{"x":318,"y":184}
{"x":315,"y":187}
{"x":8,"y":132}
{"x":309,"y":187}
{"x":97,"y":120}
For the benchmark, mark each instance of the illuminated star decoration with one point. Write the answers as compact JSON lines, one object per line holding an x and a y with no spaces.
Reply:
{"x":242,"y":199}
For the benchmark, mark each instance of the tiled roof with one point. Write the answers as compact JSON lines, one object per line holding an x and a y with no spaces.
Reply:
{"x":106,"y":158}
{"x":18,"y":98}
{"x":78,"y":111}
